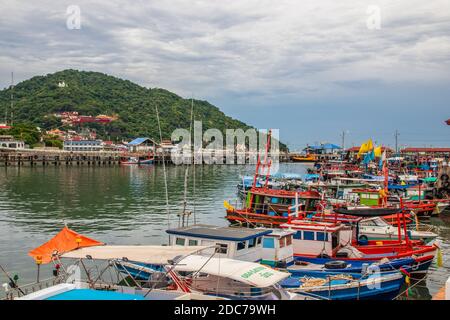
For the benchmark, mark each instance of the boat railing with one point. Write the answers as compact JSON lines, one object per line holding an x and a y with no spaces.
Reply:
{"x":20,"y":291}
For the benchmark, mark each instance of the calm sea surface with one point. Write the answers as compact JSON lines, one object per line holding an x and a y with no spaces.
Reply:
{"x":126,"y":205}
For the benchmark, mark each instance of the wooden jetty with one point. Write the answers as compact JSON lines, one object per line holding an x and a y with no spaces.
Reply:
{"x":56,"y":157}
{"x":52,"y":157}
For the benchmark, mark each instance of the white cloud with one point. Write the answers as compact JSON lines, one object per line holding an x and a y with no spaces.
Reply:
{"x":232,"y":48}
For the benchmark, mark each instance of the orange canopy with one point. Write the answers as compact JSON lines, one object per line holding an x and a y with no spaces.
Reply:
{"x":66,"y":240}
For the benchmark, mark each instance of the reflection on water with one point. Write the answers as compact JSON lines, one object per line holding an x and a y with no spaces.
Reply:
{"x":123,"y":205}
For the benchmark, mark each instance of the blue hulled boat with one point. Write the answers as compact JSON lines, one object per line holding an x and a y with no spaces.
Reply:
{"x":379,"y":286}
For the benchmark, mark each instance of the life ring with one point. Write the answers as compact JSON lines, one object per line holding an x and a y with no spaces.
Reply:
{"x":363,"y":238}
{"x":336,"y":264}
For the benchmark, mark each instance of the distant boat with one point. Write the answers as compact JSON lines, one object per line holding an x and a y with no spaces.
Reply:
{"x":136,"y":160}
{"x":307,"y":158}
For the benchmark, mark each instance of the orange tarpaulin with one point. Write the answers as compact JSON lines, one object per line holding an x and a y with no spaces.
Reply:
{"x":66,"y":240}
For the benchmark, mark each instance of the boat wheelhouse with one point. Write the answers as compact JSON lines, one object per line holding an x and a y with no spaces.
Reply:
{"x":317,"y":238}
{"x":376,"y":228}
{"x":270,"y":207}
{"x":322,"y":242}
{"x":368,"y":197}
{"x":271,"y":247}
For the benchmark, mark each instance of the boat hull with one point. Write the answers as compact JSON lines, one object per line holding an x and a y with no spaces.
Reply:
{"x":378,"y":287}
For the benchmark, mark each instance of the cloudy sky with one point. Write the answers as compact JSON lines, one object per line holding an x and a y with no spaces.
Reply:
{"x":310,"y":68}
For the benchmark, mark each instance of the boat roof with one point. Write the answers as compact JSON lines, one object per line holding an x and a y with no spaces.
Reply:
{"x":219,"y":233}
{"x":278,"y":232}
{"x":251,"y":273}
{"x":145,"y":254}
{"x":286,"y":193}
{"x":312,"y":226}
{"x":286,"y":175}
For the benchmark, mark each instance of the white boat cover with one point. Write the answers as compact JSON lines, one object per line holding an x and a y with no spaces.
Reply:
{"x":145,"y":254}
{"x":253,"y":274}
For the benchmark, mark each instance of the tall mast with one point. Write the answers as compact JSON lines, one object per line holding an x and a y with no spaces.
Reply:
{"x":12,"y":98}
{"x":258,"y":163}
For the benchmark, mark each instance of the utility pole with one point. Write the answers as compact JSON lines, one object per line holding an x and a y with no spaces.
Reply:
{"x":396,"y":141}
{"x":343,"y":140}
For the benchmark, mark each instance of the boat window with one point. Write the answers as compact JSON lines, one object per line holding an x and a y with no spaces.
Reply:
{"x":282,"y":242}
{"x":193,"y":242}
{"x":288,"y":240}
{"x":298,"y":235}
{"x":274,"y":200}
{"x":308,"y":235}
{"x":369,"y":223}
{"x":221,"y":248}
{"x":180,"y":241}
{"x":268,"y":243}
{"x":322,"y":236}
{"x":380,"y":222}
{"x":258,"y":241}
{"x":241,"y":245}
{"x":251,"y":243}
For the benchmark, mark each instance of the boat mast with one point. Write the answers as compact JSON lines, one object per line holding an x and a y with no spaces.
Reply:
{"x":186,"y":172}
{"x":258,"y":163}
{"x":12,"y":98}
{"x":268,"y":160}
{"x":164,"y":170}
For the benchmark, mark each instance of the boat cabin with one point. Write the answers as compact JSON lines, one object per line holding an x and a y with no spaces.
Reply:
{"x":273,"y":202}
{"x":271,"y":247}
{"x":277,"y":249}
{"x":368,"y":197}
{"x":318,"y":238}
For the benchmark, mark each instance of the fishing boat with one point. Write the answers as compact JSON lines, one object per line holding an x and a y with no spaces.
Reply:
{"x":68,"y":282}
{"x":137,"y":161}
{"x":274,"y":247}
{"x":309,"y":158}
{"x":271,"y":207}
{"x":235,"y":279}
{"x":376,"y":228}
{"x":379,"y":286}
{"x":322,"y":242}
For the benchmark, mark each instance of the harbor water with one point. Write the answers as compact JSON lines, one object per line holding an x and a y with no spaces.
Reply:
{"x":127,"y":205}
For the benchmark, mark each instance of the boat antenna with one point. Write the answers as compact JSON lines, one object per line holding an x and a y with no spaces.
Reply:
{"x":164,"y":170}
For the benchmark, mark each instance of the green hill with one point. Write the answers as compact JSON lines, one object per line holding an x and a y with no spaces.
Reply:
{"x":94,"y":93}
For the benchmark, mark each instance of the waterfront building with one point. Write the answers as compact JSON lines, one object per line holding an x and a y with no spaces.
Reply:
{"x":83,"y":145}
{"x":141,"y":145}
{"x":324,"y":151}
{"x":426,"y":152}
{"x":10,"y":142}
